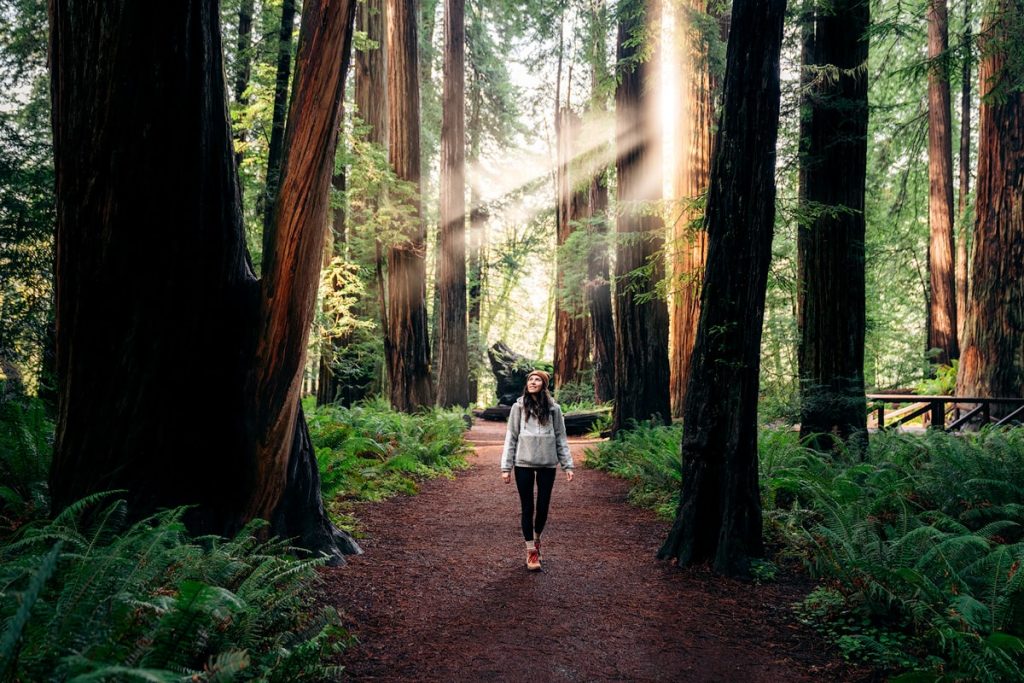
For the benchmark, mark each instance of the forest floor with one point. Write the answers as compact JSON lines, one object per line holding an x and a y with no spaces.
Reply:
{"x":442,"y":593}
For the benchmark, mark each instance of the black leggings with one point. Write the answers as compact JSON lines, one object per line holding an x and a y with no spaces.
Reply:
{"x":545,"y":477}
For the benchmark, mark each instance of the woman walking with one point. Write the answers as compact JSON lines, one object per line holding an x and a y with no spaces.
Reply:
{"x":535,"y":445}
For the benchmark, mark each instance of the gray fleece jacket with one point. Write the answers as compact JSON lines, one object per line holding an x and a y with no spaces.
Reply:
{"x":531,"y":444}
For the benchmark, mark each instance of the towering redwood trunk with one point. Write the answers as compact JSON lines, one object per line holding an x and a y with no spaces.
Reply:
{"x":243,"y":68}
{"x":719,"y":516}
{"x":831,"y":263}
{"x":275,"y":150}
{"x":694,"y":126}
{"x":599,"y":288}
{"x":477,"y":240}
{"x":139,"y":115}
{"x":992,"y":362}
{"x":641,"y":320}
{"x":410,"y":386}
{"x":965,"y":179}
{"x":942,"y":327}
{"x":453,"y":359}
{"x":572,"y":347}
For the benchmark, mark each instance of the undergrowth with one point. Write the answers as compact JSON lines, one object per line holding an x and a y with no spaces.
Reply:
{"x":918,"y":546}
{"x":369,"y":452}
{"x":87,"y":597}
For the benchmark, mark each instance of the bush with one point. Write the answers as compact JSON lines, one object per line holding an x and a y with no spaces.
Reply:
{"x":370,"y":452}
{"x":26,"y":448}
{"x":87,"y":598}
{"x":921,"y":543}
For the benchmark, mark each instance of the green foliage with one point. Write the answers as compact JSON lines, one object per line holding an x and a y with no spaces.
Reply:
{"x":944,"y":382}
{"x":919,"y":544}
{"x":26,"y":445}
{"x":86,"y":597}
{"x":370,"y":452}
{"x":577,"y":396}
{"x":648,"y":455}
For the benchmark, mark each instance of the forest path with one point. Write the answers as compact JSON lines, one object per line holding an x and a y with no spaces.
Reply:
{"x":442,"y":592}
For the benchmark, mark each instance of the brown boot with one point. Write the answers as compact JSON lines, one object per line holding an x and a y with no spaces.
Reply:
{"x":536,"y":544}
{"x":532,"y":556}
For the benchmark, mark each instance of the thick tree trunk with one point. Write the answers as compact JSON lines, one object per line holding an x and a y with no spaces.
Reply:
{"x":453,"y":358}
{"x":831,"y":268}
{"x":275,"y":151}
{"x":243,"y":68}
{"x":719,"y":516}
{"x":641,"y":320}
{"x":572,"y":344}
{"x":694,"y":131}
{"x":599,"y":287}
{"x":992,"y":362}
{"x":477,"y":242}
{"x":965,"y":180}
{"x":135,"y":335}
{"x":410,"y":385}
{"x":942,"y":327}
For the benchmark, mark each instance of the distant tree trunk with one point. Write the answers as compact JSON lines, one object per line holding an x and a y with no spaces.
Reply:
{"x":641,"y":326}
{"x":965,"y":180}
{"x":453,"y":360}
{"x":477,"y":241}
{"x":992,"y":362}
{"x":410,"y":385}
{"x":831,"y":262}
{"x":719,"y":515}
{"x":599,"y":293}
{"x":276,"y":149}
{"x":942,"y":327}
{"x":243,"y":68}
{"x":694,"y":131}
{"x":330,"y":387}
{"x":143,"y":85}
{"x":572,"y":347}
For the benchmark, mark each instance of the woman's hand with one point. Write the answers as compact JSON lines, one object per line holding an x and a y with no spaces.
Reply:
{"x":506,"y":477}
{"x":568,"y":475}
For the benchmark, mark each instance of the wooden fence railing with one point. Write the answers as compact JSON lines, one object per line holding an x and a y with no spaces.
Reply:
{"x":949,"y":413}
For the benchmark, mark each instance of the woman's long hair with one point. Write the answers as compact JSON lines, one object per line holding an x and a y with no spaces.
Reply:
{"x":538,"y":405}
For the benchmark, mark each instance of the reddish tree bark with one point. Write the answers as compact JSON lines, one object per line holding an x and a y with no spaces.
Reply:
{"x":641,"y":318}
{"x":965,"y":179}
{"x":831,"y":261}
{"x":453,"y":358}
{"x":719,"y":515}
{"x":992,"y":362}
{"x":942,"y":326}
{"x":694,"y":132}
{"x":409,"y":382}
{"x":599,"y":288}
{"x":140,"y":115}
{"x":572,"y":347}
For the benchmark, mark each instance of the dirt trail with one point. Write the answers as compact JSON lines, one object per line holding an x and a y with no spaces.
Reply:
{"x":442,"y":593}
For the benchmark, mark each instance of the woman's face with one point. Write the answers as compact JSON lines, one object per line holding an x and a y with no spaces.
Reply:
{"x":534,"y":384}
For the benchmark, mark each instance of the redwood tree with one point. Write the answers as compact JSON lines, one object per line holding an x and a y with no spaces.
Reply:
{"x":453,"y":356}
{"x":599,"y":287}
{"x":407,"y":346}
{"x":694,"y":126}
{"x":831,"y":246}
{"x":641,"y":318}
{"x":719,"y":515}
{"x":942,"y":326}
{"x":965,"y":178}
{"x":572,"y":347}
{"x":153,"y":306}
{"x":992,"y":361}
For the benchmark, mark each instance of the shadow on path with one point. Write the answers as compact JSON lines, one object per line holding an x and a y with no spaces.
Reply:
{"x":442,"y":593}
